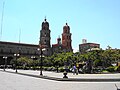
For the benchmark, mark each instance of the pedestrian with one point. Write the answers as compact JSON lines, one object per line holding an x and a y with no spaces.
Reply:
{"x":74,"y":70}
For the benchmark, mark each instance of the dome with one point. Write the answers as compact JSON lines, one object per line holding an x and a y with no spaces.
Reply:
{"x":59,"y":39}
{"x":45,"y":22}
{"x":66,"y":27}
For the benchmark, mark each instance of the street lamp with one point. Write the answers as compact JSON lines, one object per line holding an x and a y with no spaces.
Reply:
{"x":16,"y":55}
{"x":41,"y":61}
{"x":32,"y":57}
{"x":5,"y":62}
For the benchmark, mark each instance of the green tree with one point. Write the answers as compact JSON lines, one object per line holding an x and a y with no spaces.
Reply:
{"x":25,"y":61}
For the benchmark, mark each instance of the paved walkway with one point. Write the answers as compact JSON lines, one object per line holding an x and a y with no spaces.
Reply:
{"x":71,"y":77}
{"x":12,"y":81}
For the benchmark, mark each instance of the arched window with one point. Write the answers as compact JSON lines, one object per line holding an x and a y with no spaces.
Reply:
{"x":27,"y":52}
{"x":35,"y":53}
{"x":10,"y":51}
{"x":19,"y":51}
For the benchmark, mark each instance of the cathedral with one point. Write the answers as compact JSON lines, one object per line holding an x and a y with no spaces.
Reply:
{"x":45,"y":39}
{"x":8,"y":49}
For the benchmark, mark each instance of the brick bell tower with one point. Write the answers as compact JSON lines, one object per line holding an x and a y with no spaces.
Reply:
{"x":45,"y":38}
{"x":66,"y":39}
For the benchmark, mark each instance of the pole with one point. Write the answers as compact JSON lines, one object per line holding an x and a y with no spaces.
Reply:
{"x":2,"y":21}
{"x":5,"y":62}
{"x":4,"y":65}
{"x":16,"y":63}
{"x":19,"y":34}
{"x":41,"y":63}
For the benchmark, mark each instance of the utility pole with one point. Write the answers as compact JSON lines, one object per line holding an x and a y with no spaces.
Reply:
{"x":19,"y":35}
{"x":2,"y":20}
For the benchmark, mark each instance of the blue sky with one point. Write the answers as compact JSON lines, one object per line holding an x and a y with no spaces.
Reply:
{"x":98,"y":21}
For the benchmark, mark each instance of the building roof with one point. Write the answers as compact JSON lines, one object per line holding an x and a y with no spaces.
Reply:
{"x":89,"y":44}
{"x":21,"y":44}
{"x":55,"y":45}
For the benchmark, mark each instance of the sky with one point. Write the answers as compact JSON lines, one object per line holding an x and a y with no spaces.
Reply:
{"x":98,"y":21}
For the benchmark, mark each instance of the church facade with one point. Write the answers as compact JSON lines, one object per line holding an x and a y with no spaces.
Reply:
{"x":45,"y":39}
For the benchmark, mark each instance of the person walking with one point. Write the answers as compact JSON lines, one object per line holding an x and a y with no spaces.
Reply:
{"x":74,"y":70}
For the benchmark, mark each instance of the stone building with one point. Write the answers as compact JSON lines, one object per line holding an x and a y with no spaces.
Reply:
{"x":8,"y":49}
{"x":88,"y":46}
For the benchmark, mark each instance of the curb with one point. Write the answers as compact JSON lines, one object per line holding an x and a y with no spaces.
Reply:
{"x":69,"y":79}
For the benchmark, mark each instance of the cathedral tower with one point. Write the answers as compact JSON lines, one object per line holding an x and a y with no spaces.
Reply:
{"x":66,"y":39}
{"x":45,"y":38}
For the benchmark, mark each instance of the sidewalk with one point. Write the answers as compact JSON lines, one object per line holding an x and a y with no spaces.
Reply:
{"x":71,"y":77}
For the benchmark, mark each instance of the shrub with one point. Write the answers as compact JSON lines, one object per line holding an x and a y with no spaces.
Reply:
{"x":111,"y":69}
{"x":105,"y":71}
{"x":97,"y":63}
{"x":117,"y":68}
{"x":61,"y":69}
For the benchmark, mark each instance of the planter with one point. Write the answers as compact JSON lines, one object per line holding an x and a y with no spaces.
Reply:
{"x":65,"y":75}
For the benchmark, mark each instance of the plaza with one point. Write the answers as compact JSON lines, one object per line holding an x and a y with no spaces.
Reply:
{"x":46,"y":53}
{"x":12,"y":81}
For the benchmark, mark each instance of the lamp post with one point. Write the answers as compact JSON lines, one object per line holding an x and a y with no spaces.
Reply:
{"x":5,"y":62}
{"x":41,"y":61}
{"x":65,"y":72}
{"x":16,"y":55}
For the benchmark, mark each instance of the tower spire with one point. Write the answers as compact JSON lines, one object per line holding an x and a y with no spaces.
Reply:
{"x":45,"y":37}
{"x":66,"y":38}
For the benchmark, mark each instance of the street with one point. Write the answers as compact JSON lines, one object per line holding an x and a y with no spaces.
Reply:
{"x":10,"y":81}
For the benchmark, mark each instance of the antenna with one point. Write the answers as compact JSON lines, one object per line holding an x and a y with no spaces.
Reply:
{"x":66,"y":22}
{"x":45,"y":18}
{"x":19,"y":34}
{"x":2,"y":20}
